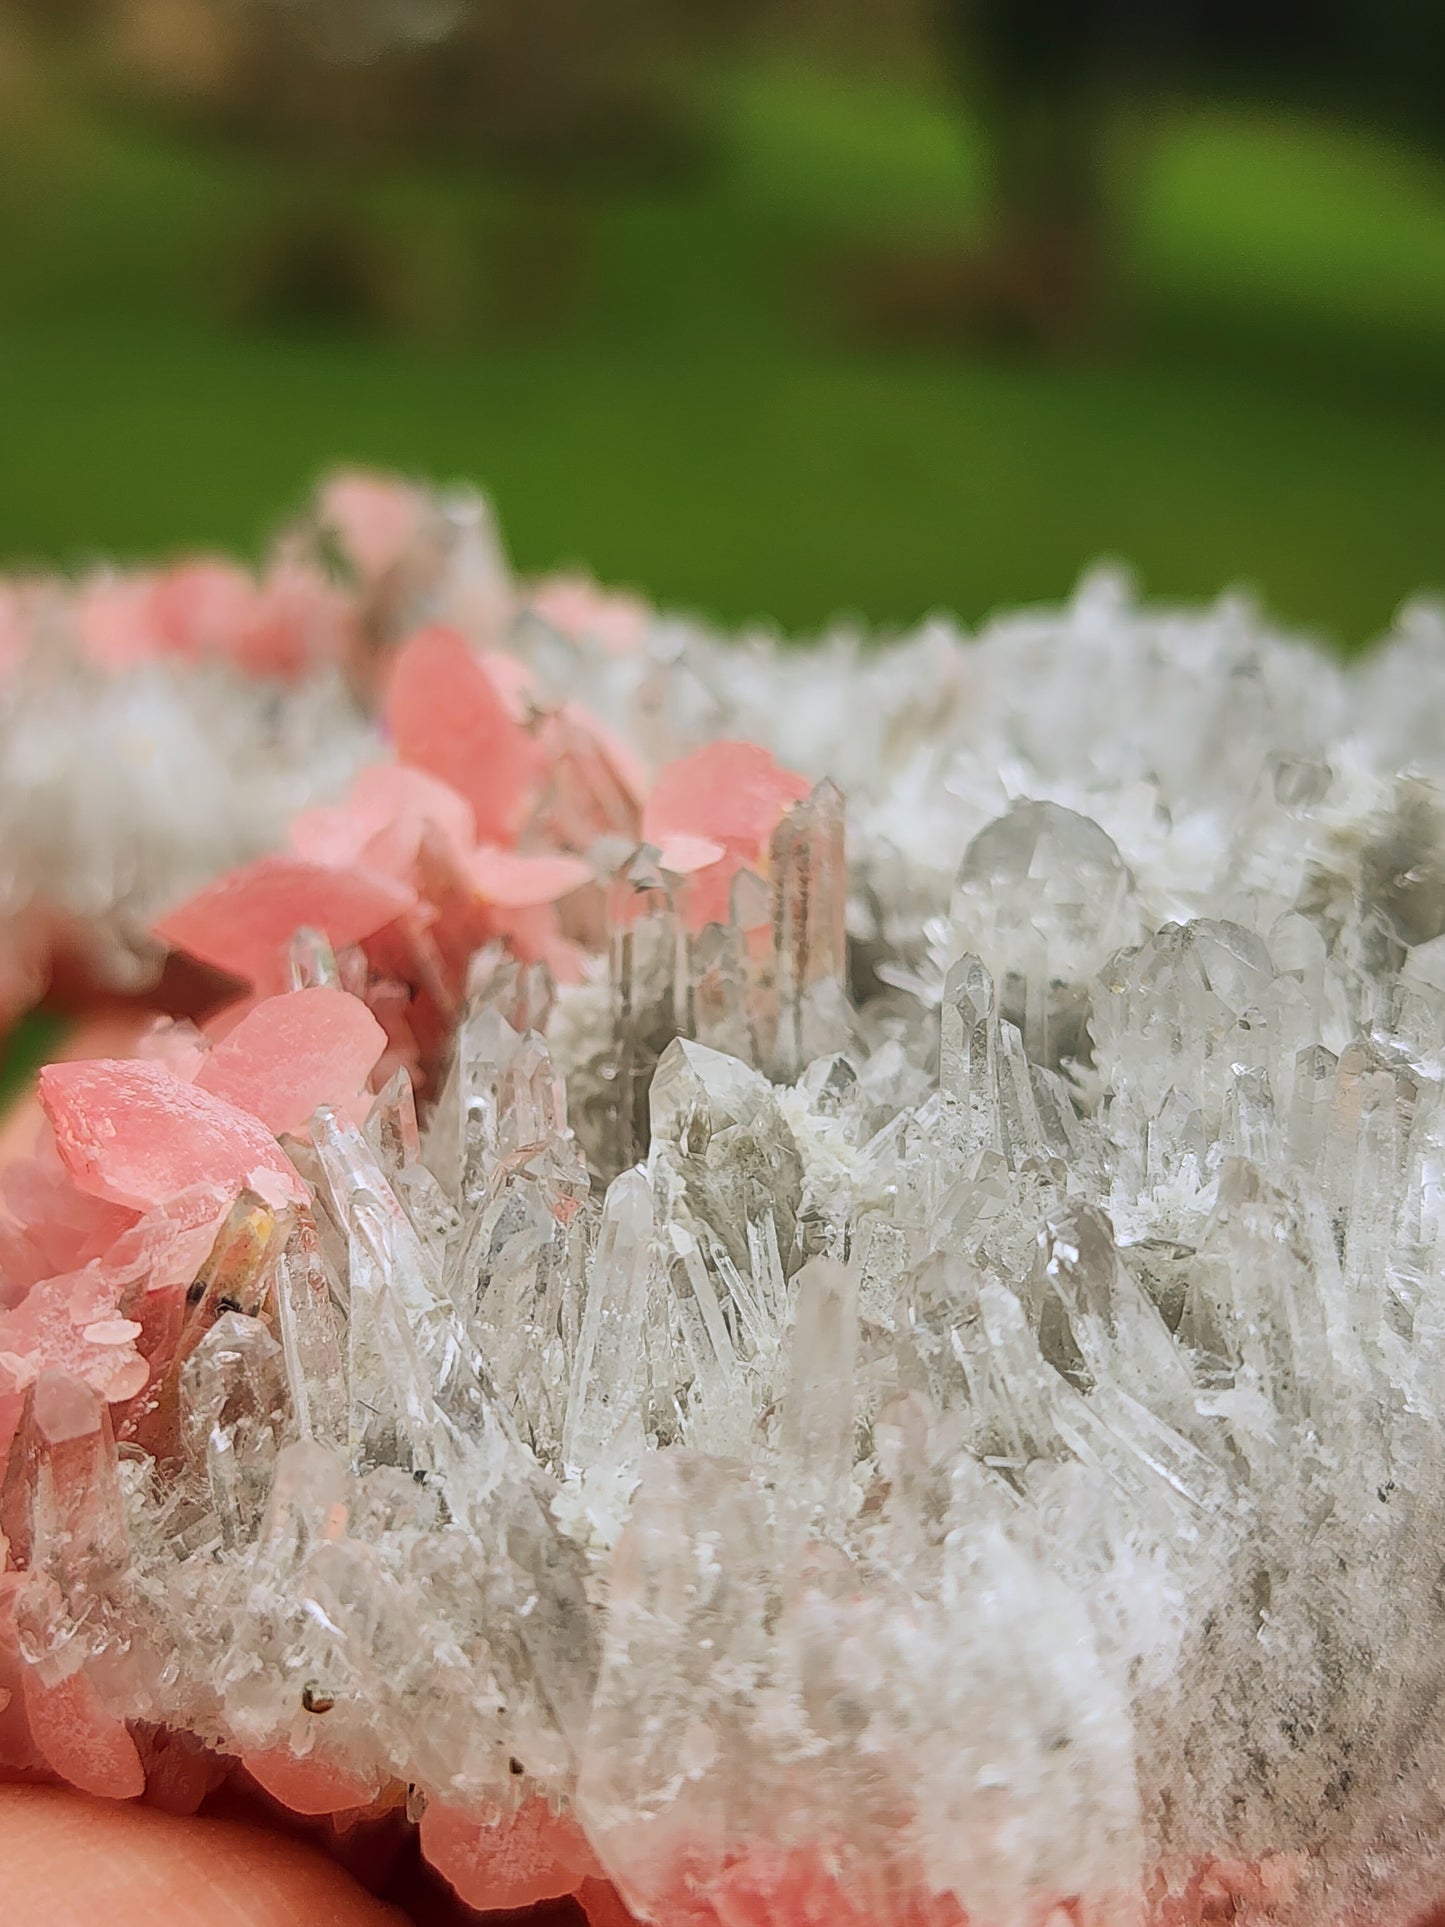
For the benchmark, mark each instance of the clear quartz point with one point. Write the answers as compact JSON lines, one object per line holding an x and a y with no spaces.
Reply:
{"x":607,"y":1400}
{"x":815,"y":1443}
{"x":810,"y":899}
{"x":313,"y":962}
{"x":233,"y":1401}
{"x":1043,"y":897}
{"x":309,"y":1329}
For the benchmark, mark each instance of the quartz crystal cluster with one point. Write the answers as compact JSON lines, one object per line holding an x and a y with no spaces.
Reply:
{"x":767,"y":1362}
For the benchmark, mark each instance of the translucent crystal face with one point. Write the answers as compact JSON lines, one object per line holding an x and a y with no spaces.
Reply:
{"x":1046,"y":875}
{"x":908,"y":1394}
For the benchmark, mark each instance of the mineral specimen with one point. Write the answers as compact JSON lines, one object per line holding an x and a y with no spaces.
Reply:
{"x":765,"y":1375}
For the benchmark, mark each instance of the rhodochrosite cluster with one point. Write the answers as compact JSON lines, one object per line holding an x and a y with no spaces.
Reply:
{"x":158,"y":726}
{"x":761,"y":1380}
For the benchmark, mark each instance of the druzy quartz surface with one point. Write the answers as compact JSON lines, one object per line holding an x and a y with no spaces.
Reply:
{"x":782,"y":1287}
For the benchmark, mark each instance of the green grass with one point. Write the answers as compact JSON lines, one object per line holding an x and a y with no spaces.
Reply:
{"x":29,"y":1045}
{"x":699,"y":422}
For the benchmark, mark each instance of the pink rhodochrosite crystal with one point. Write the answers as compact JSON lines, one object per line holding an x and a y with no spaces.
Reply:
{"x":448,"y":716}
{"x":382,"y":824}
{"x":712,"y":814}
{"x":47,"y":1332}
{"x":586,"y":612}
{"x":657,"y":1351}
{"x":512,"y":881}
{"x":244,"y":922}
{"x":290,"y":1054}
{"x":286,"y":625}
{"x":731,"y":793}
{"x":79,"y":1740}
{"x":376,"y":518}
{"x":136,"y":1134}
{"x":511,"y":1858}
{"x":308,"y":1785}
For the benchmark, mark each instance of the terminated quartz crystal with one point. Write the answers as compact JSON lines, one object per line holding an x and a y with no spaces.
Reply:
{"x":764,"y":1370}
{"x":1044,"y":898}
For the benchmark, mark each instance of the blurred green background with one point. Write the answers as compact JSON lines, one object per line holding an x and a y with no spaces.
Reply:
{"x":740,"y":304}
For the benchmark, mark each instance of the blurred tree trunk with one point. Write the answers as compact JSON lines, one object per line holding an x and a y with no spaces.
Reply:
{"x":1040,"y":77}
{"x":543,"y":108}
